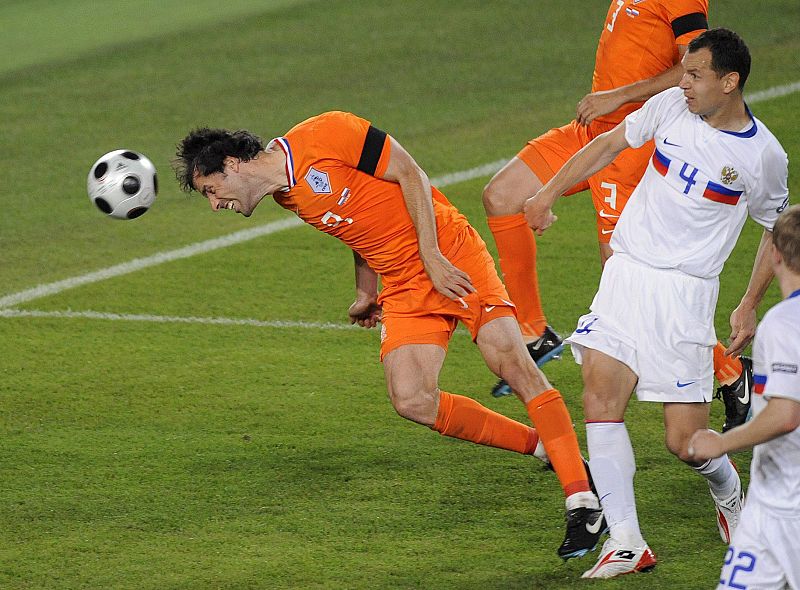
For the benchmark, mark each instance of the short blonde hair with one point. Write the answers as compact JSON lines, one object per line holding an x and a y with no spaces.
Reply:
{"x":786,"y":237}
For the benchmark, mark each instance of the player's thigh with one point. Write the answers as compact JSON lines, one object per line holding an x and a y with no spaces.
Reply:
{"x":608,"y":384}
{"x":503,"y":349}
{"x":508,"y":190}
{"x":412,"y":377}
{"x":412,"y":368}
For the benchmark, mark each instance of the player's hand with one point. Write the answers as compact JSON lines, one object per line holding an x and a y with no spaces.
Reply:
{"x":705,"y":444}
{"x":447,"y":279}
{"x":596,"y":105}
{"x":538,"y":214}
{"x":365,"y":312}
{"x":743,"y":328}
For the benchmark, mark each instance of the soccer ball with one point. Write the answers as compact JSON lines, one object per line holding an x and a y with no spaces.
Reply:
{"x":122,"y":184}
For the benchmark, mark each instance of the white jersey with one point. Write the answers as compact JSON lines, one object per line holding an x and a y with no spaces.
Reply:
{"x":775,"y":470}
{"x":689,"y":208}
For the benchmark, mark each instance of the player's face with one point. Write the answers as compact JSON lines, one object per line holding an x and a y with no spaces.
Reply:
{"x":226,"y":190}
{"x":702,"y":87}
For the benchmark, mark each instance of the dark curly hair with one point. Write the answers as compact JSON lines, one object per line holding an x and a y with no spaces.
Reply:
{"x":205,"y":150}
{"x":729,"y":52}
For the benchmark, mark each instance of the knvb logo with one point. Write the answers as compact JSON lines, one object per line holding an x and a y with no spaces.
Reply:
{"x":318,"y":181}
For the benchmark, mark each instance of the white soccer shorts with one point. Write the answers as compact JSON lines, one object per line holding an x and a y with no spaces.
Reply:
{"x":660,"y":323}
{"x":764,"y":552}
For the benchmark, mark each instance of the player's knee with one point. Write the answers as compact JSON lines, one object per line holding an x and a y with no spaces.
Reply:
{"x":415,"y":404}
{"x":677,"y":443}
{"x":489,"y":197}
{"x":497,"y":200}
{"x":599,"y":404}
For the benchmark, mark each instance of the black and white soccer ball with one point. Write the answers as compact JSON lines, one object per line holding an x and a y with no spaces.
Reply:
{"x":122,"y":184}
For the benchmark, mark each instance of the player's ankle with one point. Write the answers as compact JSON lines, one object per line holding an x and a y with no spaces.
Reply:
{"x":582,"y":500}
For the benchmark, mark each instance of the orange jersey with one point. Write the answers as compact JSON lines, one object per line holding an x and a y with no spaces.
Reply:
{"x":640,"y":40}
{"x":334,"y":162}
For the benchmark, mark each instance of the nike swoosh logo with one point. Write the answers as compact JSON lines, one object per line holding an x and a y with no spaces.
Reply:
{"x":595,"y":528}
{"x":679,"y":384}
{"x":602,"y":213}
{"x":606,"y":231}
{"x":745,"y":399}
{"x":489,"y":308}
{"x":668,"y":142}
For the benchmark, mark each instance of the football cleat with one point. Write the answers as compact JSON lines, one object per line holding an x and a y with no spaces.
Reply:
{"x":737,"y":396}
{"x":617,"y":560}
{"x":545,"y":348}
{"x":728,"y":512}
{"x":584,"y":528}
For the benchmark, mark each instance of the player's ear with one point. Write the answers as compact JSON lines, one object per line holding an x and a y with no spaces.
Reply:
{"x":777,"y":259}
{"x":730,"y":82}
{"x":232,"y":163}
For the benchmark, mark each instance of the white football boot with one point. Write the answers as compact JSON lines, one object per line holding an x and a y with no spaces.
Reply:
{"x":617,"y":559}
{"x":728,"y":512}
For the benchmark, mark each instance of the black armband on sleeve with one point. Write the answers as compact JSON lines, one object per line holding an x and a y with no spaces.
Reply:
{"x":372,"y":150}
{"x":688,"y":23}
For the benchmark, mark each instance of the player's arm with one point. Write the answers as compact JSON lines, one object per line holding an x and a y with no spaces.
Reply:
{"x":743,"y":318}
{"x":593,"y":157}
{"x":779,"y":417}
{"x":603,"y":102}
{"x":446,"y":278}
{"x":365,"y":310}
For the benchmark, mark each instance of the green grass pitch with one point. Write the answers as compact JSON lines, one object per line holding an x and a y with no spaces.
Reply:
{"x":169,"y":455}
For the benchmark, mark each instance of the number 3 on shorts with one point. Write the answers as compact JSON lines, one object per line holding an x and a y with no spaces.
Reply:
{"x":745,"y":562}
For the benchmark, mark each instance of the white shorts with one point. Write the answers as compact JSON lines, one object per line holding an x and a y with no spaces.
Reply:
{"x":764,"y":551}
{"x":660,"y":323}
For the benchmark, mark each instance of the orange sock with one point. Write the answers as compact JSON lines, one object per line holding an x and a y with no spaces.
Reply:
{"x":464,"y":418}
{"x":517,"y":249}
{"x":726,"y":368}
{"x":554,"y":425}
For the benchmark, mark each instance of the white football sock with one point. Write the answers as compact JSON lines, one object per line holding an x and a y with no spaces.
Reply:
{"x":613,"y":466}
{"x":721,"y":476}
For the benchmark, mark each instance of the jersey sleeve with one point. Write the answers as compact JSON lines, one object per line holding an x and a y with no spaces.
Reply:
{"x":641,"y":125}
{"x":353,"y":141}
{"x":780,"y":362}
{"x":768,"y":194}
{"x":688,"y":18}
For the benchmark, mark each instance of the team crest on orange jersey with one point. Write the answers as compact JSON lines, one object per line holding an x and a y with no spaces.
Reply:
{"x":729,"y":175}
{"x":318,"y":181}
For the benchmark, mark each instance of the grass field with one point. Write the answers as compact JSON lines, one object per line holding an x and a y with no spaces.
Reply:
{"x":181,"y":454}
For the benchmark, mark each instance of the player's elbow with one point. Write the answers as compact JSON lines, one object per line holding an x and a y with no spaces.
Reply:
{"x":791,"y":421}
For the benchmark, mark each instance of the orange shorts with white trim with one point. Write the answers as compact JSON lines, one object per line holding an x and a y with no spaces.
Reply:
{"x":611,"y":187}
{"x":414,"y":312}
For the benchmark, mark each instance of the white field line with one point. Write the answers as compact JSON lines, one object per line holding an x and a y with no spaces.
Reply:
{"x":161,"y":319}
{"x":245,"y":235}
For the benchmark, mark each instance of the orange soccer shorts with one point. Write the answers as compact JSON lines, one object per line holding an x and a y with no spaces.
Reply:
{"x":611,"y":187}
{"x":415,"y":313}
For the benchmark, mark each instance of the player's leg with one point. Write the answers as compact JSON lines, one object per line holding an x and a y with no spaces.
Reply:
{"x":503,"y":200}
{"x":681,"y":420}
{"x":608,"y":384}
{"x":502,"y":347}
{"x":412,"y":375}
